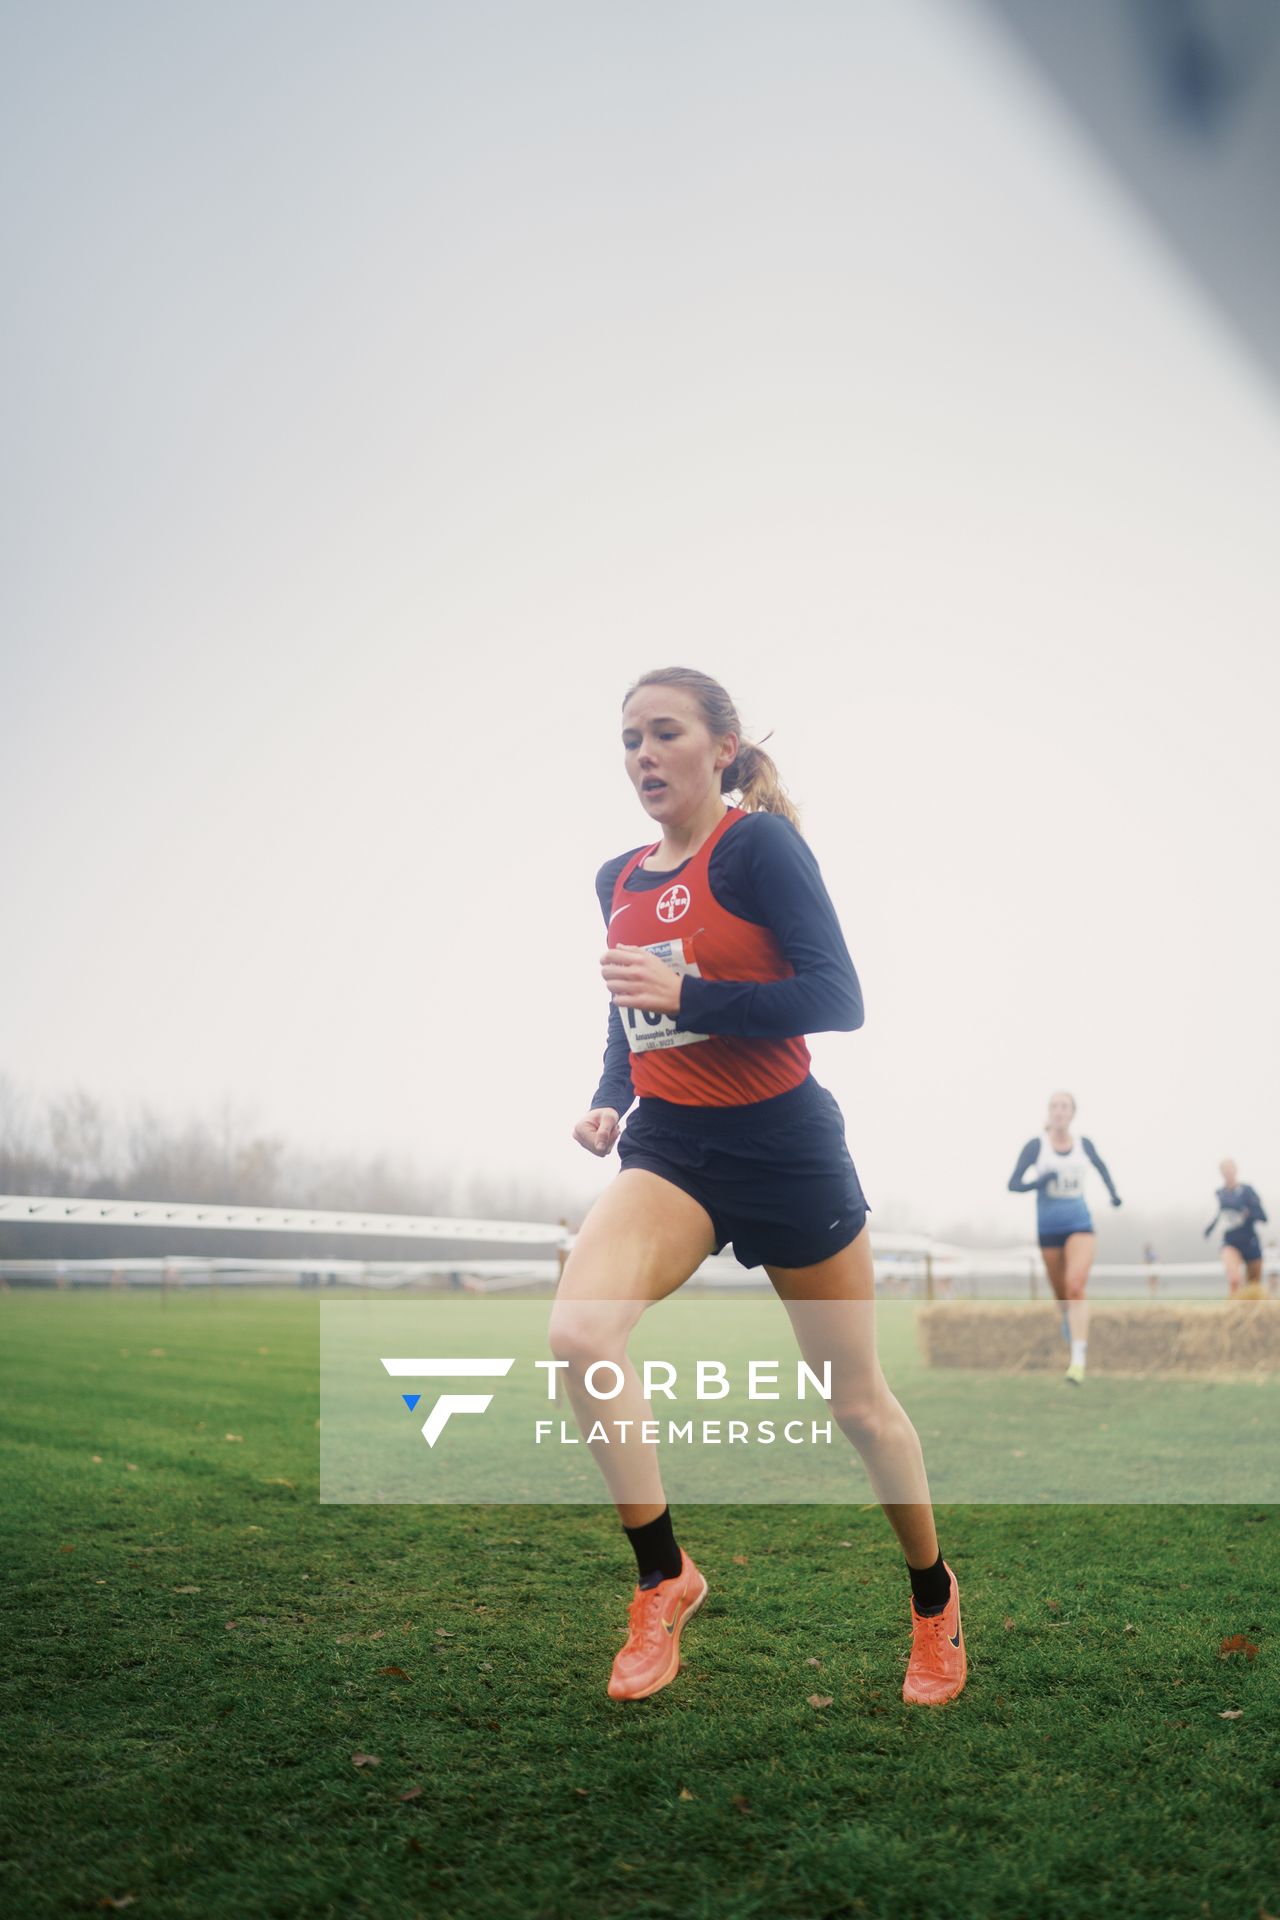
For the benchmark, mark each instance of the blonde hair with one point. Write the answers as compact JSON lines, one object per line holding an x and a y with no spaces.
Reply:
{"x":751,"y":773}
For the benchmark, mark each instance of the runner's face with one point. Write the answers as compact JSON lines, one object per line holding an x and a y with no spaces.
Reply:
{"x":1061,"y":1109}
{"x":1228,"y":1171}
{"x":673,"y":761}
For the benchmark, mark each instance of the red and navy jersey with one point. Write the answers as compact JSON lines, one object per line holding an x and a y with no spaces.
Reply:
{"x":748,"y":922}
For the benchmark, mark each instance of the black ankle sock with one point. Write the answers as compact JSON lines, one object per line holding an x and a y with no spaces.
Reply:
{"x":930,"y":1587}
{"x":655,"y":1548}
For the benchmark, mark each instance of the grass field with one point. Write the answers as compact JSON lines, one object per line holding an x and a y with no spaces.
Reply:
{"x":195,"y":1649}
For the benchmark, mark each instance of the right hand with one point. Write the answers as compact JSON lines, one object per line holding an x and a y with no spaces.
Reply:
{"x":597,"y":1131}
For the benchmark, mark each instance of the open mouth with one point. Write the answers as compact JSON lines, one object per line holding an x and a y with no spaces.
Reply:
{"x":653,"y":786}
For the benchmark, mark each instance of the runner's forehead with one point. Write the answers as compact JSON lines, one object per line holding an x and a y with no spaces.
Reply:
{"x":676,"y":708}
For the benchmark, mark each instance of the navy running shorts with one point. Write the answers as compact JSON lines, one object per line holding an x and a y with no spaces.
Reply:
{"x":1052,"y":1240}
{"x":774,"y":1175}
{"x":1246,"y":1243}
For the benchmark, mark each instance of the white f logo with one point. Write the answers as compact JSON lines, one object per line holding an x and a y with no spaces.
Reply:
{"x":434,"y":1424}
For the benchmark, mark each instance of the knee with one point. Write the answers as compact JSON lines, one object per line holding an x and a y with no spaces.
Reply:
{"x":863,"y":1419}
{"x":579,"y":1334}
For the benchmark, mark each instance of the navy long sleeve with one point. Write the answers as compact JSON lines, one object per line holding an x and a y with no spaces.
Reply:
{"x":1095,"y":1157}
{"x":1018,"y":1182}
{"x":765,"y":872}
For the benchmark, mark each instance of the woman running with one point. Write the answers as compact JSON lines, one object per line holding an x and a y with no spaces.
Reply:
{"x":1239,"y":1210}
{"x":1055,"y":1168}
{"x":724,"y":950}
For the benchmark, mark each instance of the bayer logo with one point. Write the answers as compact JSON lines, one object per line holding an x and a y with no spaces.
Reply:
{"x":673,"y":903}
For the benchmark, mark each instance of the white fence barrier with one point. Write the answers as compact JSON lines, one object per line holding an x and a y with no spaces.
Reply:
{"x":906,"y":1263}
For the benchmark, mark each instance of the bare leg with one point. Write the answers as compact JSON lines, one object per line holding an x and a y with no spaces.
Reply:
{"x":862,"y":1404}
{"x":1233,"y":1267}
{"x":1055,"y":1263}
{"x":641,"y":1241}
{"x":1078,"y":1261}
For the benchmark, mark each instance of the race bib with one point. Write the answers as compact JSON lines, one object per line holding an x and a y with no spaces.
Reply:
{"x":1067,"y":1184}
{"x":646,"y":1032}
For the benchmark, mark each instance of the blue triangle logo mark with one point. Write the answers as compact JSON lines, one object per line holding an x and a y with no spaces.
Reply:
{"x":411,"y":1400}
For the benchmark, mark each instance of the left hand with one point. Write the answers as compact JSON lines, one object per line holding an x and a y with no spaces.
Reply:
{"x":1115,"y":1200}
{"x":637,"y":978}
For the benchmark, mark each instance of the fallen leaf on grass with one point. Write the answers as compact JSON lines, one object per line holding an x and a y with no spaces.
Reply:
{"x":97,"y":1459}
{"x":155,"y":1353}
{"x":582,"y":1793}
{"x":414,"y":1846}
{"x":125,"y":1900}
{"x":381,"y":1633}
{"x":393,"y":1673}
{"x":443,"y":1633}
{"x":821,"y":1699}
{"x":1008,"y":1623}
{"x":230,"y":1625}
{"x":1054,"y":1606}
{"x":66,"y":1549}
{"x":486,"y":1666}
{"x":844,"y":1543}
{"x":186,"y":1589}
{"x":1232,"y":1713}
{"x":365,"y":1760}
{"x":412,"y":1793}
{"x":686,"y":1795}
{"x":1237,"y":1643}
{"x":130,"y":1466}
{"x":813,"y":1661}
{"x":1129,"y":1627}
{"x":233,"y":1436}
{"x":739,"y":1559}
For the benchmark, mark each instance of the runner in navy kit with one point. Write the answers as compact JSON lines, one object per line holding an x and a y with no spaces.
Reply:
{"x":724,"y":950}
{"x":1239,"y":1210}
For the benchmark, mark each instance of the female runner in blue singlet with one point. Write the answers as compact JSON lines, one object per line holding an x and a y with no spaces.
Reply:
{"x":1055,"y":1167}
{"x":1239,"y":1212}
{"x":724,"y":951}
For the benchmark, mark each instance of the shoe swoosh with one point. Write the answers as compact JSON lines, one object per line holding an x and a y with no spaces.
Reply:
{"x":954,"y":1638}
{"x":669,"y":1626}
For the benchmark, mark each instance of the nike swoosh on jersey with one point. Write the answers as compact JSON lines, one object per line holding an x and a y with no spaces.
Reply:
{"x":617,"y":910}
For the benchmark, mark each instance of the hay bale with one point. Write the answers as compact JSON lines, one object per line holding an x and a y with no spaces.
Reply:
{"x":1233,"y":1339}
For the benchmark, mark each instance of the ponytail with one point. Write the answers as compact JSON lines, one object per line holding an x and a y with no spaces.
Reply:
{"x":754,"y":777}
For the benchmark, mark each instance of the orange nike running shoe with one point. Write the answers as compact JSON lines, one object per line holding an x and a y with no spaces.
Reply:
{"x":655,"y":1620}
{"x":937,"y":1668}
